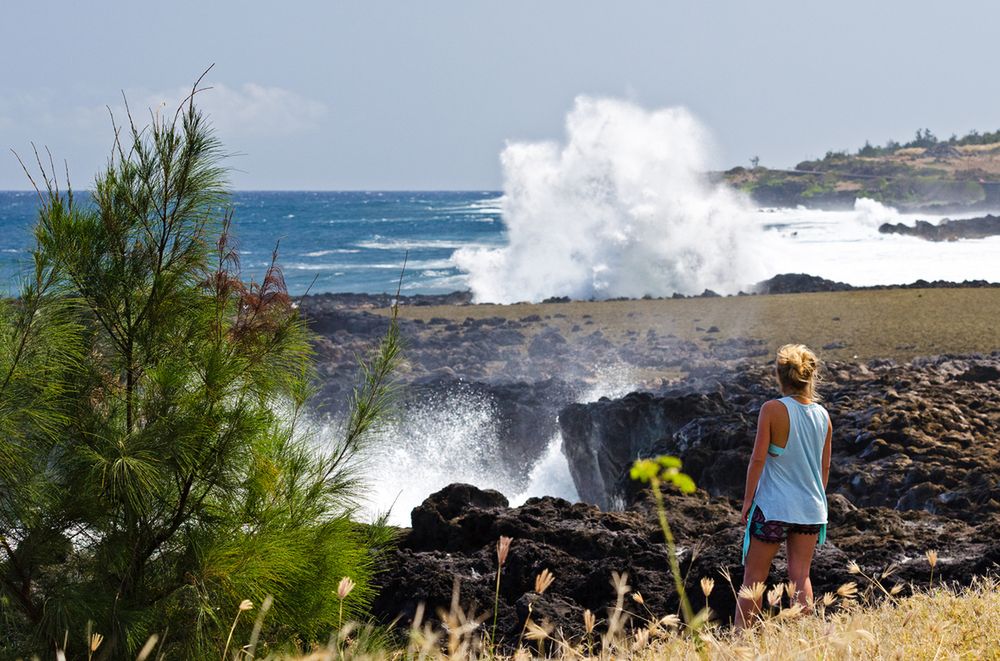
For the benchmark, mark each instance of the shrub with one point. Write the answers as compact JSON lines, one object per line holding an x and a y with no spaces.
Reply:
{"x":155,"y":462}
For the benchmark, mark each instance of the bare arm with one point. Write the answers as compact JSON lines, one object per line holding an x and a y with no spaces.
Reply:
{"x":757,"y":457}
{"x":827,"y":452}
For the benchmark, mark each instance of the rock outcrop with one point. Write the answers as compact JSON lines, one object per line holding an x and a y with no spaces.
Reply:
{"x":454,"y":534}
{"x":923,"y":435}
{"x":947,"y":229}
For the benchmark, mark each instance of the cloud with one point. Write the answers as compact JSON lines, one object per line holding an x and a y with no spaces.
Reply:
{"x":248,"y":110}
{"x":249,"y":118}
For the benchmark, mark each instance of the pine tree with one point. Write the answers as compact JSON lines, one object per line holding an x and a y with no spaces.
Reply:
{"x":155,"y":460}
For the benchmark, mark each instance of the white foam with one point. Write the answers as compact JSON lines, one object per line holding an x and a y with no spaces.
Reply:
{"x":550,"y":476}
{"x":621,"y":209}
{"x":846,"y":246}
{"x":419,"y":244}
{"x":334,"y":251}
{"x":455,"y":438}
{"x":432,"y":445}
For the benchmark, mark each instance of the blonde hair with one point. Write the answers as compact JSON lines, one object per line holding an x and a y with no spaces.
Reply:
{"x":798,"y":369}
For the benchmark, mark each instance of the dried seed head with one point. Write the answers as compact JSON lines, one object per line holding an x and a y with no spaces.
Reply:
{"x":246,"y":605}
{"x":707,"y":584}
{"x":753,"y":592}
{"x":896,"y":589}
{"x":932,"y":558}
{"x":774,"y":595}
{"x":535,"y":631}
{"x":792,"y":611}
{"x":637,"y":598}
{"x":95,"y":641}
{"x":890,"y":570}
{"x":589,"y":621}
{"x":791,"y":589}
{"x":641,"y":639}
{"x":620,"y":582}
{"x":853,"y":568}
{"x":503,"y":548}
{"x":522,"y":655}
{"x":543,"y":581}
{"x":848,"y":590}
{"x":829,"y":599}
{"x":673,"y":621}
{"x":345,"y":587}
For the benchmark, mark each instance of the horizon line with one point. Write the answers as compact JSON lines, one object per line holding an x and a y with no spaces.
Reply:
{"x":317,"y":190}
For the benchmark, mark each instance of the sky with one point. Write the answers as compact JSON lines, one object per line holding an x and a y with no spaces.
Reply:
{"x":415,"y":95}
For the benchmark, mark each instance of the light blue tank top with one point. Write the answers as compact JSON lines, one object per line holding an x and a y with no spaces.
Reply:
{"x":791,"y":486}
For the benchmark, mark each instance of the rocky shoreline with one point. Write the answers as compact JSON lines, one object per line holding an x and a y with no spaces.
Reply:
{"x":947,"y":229}
{"x":917,"y":444}
{"x":915,"y":468}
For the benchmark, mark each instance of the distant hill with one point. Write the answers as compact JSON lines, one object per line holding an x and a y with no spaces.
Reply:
{"x":925,"y":174}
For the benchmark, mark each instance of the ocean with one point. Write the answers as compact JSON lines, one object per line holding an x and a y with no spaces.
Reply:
{"x":326,"y":241}
{"x":507,"y":249}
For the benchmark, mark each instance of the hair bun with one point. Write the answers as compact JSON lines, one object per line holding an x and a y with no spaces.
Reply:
{"x":797,"y":366}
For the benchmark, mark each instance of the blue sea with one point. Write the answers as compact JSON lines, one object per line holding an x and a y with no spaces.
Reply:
{"x":357,"y":241}
{"x":327,"y":241}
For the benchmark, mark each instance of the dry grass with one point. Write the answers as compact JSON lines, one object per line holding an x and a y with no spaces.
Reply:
{"x":898,"y":323}
{"x":939,"y":623}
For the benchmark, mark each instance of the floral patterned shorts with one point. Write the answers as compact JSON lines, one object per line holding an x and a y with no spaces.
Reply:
{"x":775,"y":532}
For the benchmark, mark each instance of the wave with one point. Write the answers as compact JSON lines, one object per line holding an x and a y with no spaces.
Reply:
{"x":621,"y":209}
{"x":381,"y":243}
{"x":410,"y":266}
{"x":333,"y":251}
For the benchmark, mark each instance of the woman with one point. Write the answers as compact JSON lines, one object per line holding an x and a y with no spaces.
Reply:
{"x":785,"y":497}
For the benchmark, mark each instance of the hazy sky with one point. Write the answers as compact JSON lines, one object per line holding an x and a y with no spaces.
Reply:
{"x":424,"y":94}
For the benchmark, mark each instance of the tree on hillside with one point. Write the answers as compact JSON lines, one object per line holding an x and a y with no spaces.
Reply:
{"x":155,"y":464}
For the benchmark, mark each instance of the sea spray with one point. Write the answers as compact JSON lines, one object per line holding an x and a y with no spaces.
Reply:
{"x":551,"y":476}
{"x":453,"y":436}
{"x":623,"y":208}
{"x":432,"y":443}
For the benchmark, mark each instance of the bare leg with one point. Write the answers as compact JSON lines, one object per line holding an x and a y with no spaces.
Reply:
{"x":800,"y":554}
{"x":755,"y":570}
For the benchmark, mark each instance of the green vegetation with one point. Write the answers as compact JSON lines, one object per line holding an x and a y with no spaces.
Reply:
{"x":655,"y":472}
{"x":922,"y":173}
{"x":156,"y":470}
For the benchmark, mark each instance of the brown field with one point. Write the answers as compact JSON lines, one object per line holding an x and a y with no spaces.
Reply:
{"x":898,"y":323}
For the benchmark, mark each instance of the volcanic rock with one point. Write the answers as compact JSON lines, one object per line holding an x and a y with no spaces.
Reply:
{"x":923,"y":435}
{"x":947,"y":229}
{"x":453,"y":543}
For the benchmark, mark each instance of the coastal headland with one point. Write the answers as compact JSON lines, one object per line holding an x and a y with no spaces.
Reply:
{"x":912,"y":381}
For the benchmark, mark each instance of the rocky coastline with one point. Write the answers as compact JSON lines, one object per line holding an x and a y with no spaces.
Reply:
{"x":915,"y":468}
{"x":916,"y":459}
{"x":947,"y":229}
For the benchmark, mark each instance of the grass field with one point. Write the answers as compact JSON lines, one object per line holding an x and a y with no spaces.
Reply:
{"x":896,"y":323}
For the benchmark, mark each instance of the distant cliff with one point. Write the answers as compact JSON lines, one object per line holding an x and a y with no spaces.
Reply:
{"x":925,"y":175}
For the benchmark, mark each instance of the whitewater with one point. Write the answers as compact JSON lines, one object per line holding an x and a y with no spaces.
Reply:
{"x":623,"y":207}
{"x":620,"y":205}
